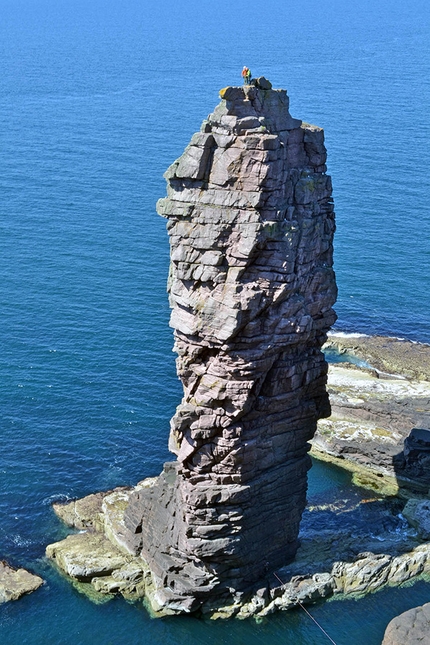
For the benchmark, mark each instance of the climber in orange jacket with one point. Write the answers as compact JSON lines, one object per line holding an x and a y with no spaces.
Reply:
{"x":246,"y":75}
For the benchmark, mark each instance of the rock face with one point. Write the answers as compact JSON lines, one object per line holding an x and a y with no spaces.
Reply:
{"x":410,"y":628}
{"x":374,"y":410}
{"x":417,"y":512}
{"x":348,"y":545}
{"x":251,"y":223}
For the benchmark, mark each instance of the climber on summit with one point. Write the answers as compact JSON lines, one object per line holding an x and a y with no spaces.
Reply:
{"x":246,"y":75}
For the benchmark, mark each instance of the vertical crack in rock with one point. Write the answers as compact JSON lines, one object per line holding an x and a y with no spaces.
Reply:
{"x":251,"y":287}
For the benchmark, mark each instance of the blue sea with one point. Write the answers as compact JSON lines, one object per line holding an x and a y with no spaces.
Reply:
{"x":96,"y":100}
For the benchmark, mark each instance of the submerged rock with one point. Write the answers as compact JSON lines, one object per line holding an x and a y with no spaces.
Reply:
{"x":15,"y":583}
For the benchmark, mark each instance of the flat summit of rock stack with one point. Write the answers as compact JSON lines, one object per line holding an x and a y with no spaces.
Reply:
{"x":251,"y":286}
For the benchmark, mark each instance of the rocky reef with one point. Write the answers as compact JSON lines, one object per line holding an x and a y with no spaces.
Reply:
{"x":251,"y":287}
{"x":349,"y":546}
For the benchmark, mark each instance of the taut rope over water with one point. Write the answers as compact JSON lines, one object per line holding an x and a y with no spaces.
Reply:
{"x":309,"y":614}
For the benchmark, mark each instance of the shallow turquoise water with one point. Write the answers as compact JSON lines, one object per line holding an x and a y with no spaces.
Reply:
{"x":96,"y":100}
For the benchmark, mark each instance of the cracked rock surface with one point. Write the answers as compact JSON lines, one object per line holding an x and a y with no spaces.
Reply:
{"x":250,"y":220}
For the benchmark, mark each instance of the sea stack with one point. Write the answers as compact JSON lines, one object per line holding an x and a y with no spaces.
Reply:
{"x":251,"y":287}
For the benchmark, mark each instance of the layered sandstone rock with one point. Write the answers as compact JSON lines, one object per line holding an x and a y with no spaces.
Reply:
{"x":251,"y":223}
{"x":349,"y":545}
{"x":380,"y":414}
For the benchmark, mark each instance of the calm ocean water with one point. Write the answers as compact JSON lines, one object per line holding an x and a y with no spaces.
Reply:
{"x":96,"y":100}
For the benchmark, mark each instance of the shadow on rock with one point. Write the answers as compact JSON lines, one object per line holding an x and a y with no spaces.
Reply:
{"x":412,"y":464}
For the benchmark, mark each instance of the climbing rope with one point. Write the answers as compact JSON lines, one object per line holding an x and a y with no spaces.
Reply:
{"x":309,"y":614}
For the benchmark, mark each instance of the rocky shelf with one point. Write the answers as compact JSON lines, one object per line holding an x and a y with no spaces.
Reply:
{"x":379,"y":428}
{"x":347,"y":546}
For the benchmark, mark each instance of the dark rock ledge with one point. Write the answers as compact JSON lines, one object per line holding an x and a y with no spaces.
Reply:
{"x":15,"y":583}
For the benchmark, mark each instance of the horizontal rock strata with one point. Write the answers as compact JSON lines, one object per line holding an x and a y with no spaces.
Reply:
{"x":386,"y":354}
{"x":348,"y":546}
{"x":251,"y":287}
{"x":250,"y":221}
{"x":379,"y":427}
{"x":15,"y":583}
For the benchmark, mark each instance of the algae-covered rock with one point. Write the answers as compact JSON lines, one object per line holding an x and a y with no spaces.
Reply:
{"x":85,"y":513}
{"x":367,"y":573}
{"x":82,"y":513}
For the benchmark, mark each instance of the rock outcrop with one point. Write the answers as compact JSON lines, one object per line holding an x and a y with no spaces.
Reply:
{"x":380,"y":412}
{"x":385,"y":354}
{"x":348,"y":545}
{"x":251,"y":286}
{"x":417,"y":512}
{"x":15,"y":583}
{"x":250,"y":220}
{"x":410,"y":628}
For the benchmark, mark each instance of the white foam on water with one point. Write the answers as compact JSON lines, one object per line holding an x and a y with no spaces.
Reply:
{"x":21,"y":541}
{"x":60,"y":498}
{"x":344,"y":334}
